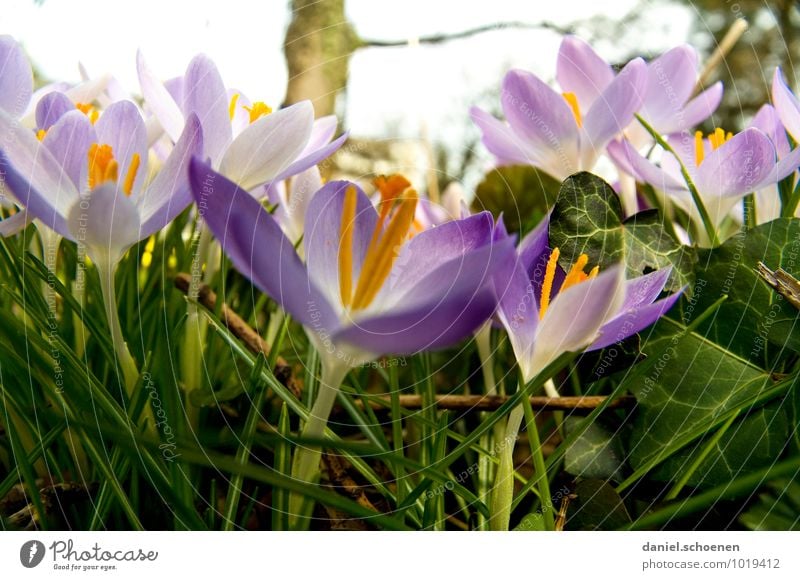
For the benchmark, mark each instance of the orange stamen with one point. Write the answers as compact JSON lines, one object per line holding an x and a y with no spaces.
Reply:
{"x":547,"y":285}
{"x":572,"y":101}
{"x":346,"y":246}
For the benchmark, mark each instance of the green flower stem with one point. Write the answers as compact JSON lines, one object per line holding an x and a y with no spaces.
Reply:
{"x":486,"y":467}
{"x":710,"y":229}
{"x":542,"y":482}
{"x":130,"y":373}
{"x":305,"y":466}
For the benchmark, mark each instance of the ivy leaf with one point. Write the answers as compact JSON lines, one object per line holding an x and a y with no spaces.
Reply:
{"x":521,"y":193}
{"x":597,"y":453}
{"x":596,"y":507}
{"x":588,"y":219}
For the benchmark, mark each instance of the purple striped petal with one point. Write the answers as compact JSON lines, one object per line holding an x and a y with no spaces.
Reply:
{"x":502,"y":141}
{"x":16,"y":78}
{"x":169,"y":193}
{"x":121,"y":126}
{"x":517,"y":308}
{"x":643,"y":169}
{"x":323,"y":224}
{"x":204,"y":95}
{"x":614,"y":109}
{"x":632,"y":321}
{"x":542,"y":117}
{"x":447,"y":306}
{"x":258,"y":248}
{"x":580,"y":70}
{"x":311,"y":158}
{"x":670,"y":81}
{"x":768,"y":122}
{"x":267,"y":147}
{"x":645,"y":289}
{"x":698,"y":109}
{"x":787,"y":105}
{"x":68,"y":141}
{"x":51,"y":108}
{"x":743,"y":164}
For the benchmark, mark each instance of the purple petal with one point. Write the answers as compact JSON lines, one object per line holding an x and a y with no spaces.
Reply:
{"x":614,"y":109}
{"x":310,"y":158}
{"x":502,"y":141}
{"x":535,"y":245}
{"x":739,"y":166}
{"x":16,"y":78}
{"x":321,"y":133}
{"x":517,"y":309}
{"x":158,"y":99}
{"x":121,"y":126}
{"x":51,"y":108}
{"x":632,"y":321}
{"x":169,"y":193}
{"x":786,"y":104}
{"x":643,"y":169}
{"x":435,"y":247}
{"x":699,"y":108}
{"x":768,"y":122}
{"x":645,"y":289}
{"x":575,"y":316}
{"x":542,"y":117}
{"x":670,"y":81}
{"x":580,"y":70}
{"x":258,"y":248}
{"x":267,"y":147}
{"x":14,"y":224}
{"x":323,"y":224}
{"x":68,"y":141}
{"x":445,"y":307}
{"x":204,"y":95}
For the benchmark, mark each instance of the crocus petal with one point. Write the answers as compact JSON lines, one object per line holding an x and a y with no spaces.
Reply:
{"x":37,"y":166}
{"x":88,"y":91}
{"x":541,"y":116}
{"x":258,"y":248}
{"x":787,"y":105}
{"x":159,"y":101}
{"x":121,"y":126}
{"x":106,"y":222}
{"x":739,"y":166}
{"x":435,"y":247}
{"x":517,"y":307}
{"x":785,"y":167}
{"x":534,"y":245}
{"x":643,"y":169}
{"x":68,"y":141}
{"x":645,"y":289}
{"x":580,"y":70}
{"x":502,"y":141}
{"x":448,"y":305}
{"x":16,"y":77}
{"x":768,"y":122}
{"x":312,"y":158}
{"x":268,"y":146}
{"x":169,"y":193}
{"x":204,"y":95}
{"x":632,"y":321}
{"x":35,"y":203}
{"x":614,"y":108}
{"x":303,"y":188}
{"x":323,"y":229}
{"x":14,"y":224}
{"x":322,"y":132}
{"x":670,"y":81}
{"x":575,"y":316}
{"x":698,"y":109}
{"x":51,"y":108}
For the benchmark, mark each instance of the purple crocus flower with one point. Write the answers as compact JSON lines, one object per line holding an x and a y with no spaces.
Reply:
{"x":364,"y":288}
{"x":786,"y":104}
{"x":547,"y":312}
{"x":246,"y":141}
{"x":562,"y":133}
{"x":724,"y":168}
{"x":16,"y":78}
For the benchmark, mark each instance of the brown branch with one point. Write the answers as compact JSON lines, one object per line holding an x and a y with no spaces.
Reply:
{"x":242,"y":330}
{"x":490,"y":403}
{"x":441,"y":38}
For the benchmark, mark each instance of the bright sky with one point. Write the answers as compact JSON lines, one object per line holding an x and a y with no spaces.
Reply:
{"x":437,"y":83}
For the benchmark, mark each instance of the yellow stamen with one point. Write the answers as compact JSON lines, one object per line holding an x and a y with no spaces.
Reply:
{"x":258,"y":110}
{"x":346,"y":246}
{"x":699,"y":148}
{"x":130,"y":177}
{"x":102,"y":165}
{"x":572,"y":101}
{"x":547,"y":285}
{"x":232,"y":106}
{"x":381,"y":255}
{"x":576,"y":274}
{"x":390,"y":189}
{"x":40,"y":134}
{"x":89,"y":111}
